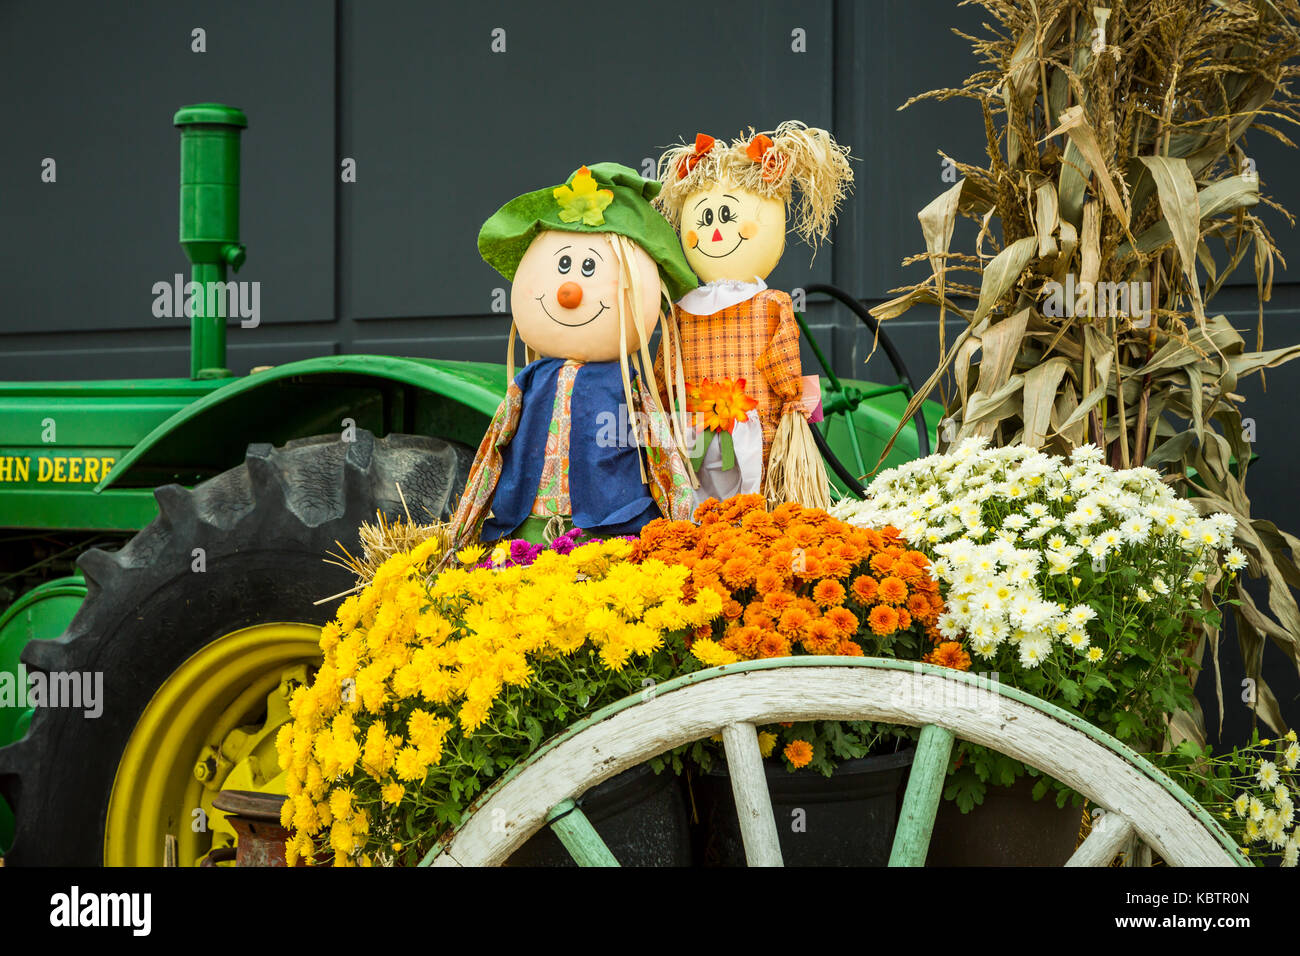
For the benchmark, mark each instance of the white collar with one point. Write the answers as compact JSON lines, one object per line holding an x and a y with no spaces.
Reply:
{"x":720,"y":294}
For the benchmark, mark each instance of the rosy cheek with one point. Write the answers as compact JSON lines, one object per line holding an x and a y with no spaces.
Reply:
{"x":692,"y":239}
{"x":748,"y":229}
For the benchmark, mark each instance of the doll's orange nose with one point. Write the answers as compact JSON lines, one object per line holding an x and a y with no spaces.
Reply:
{"x":569,"y":295}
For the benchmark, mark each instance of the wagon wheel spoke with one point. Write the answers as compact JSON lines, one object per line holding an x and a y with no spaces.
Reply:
{"x":1109,"y":834}
{"x":921,"y":802}
{"x":753,"y":802}
{"x":579,"y":837}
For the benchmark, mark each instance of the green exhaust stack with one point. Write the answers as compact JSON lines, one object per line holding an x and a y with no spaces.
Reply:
{"x":210,"y":221}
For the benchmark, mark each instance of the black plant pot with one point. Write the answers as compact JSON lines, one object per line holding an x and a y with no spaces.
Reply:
{"x":639,"y":814}
{"x":1010,"y":828}
{"x":846,"y":819}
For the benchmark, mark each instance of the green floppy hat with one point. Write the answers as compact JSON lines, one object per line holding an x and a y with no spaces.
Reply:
{"x":605,"y":197}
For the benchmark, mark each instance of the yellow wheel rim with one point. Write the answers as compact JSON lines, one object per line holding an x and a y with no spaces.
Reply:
{"x":210,"y":726}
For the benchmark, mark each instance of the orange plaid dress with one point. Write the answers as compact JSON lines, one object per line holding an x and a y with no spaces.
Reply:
{"x":757,"y":340}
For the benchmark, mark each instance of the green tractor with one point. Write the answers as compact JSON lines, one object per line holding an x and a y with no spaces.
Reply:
{"x":137,"y":688}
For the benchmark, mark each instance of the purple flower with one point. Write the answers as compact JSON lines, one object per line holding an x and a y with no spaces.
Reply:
{"x":522,"y":553}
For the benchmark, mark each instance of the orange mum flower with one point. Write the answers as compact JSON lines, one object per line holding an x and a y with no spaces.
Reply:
{"x":757,"y":616}
{"x":836,"y":567}
{"x":737,"y":572}
{"x":893,"y":590}
{"x":883,"y":620}
{"x":794,"y":621}
{"x":848,"y":648}
{"x":949,"y":654}
{"x":843,"y":620}
{"x":803,"y":535}
{"x":732,"y":610}
{"x":809,"y":567}
{"x":786,"y":512}
{"x":918,"y":605}
{"x":773,"y":644}
{"x":778,"y":602}
{"x":821,"y":637}
{"x":904,"y":619}
{"x":766,"y":581}
{"x":882,"y":564}
{"x":828,"y":593}
{"x":747,"y":641}
{"x":908,"y":571}
{"x":864,"y":589}
{"x":799,"y":753}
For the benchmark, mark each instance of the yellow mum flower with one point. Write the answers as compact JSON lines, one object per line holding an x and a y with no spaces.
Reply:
{"x":421,"y":553}
{"x":305,"y":817}
{"x":349,"y":613}
{"x":342,"y":839}
{"x":348,"y":752}
{"x":473,"y":713}
{"x":614,"y":654}
{"x":410,"y":764}
{"x":360,"y":823}
{"x":711,"y":653}
{"x":766,"y":742}
{"x":392,"y":795}
{"x":340,"y":802}
{"x":471,"y":555}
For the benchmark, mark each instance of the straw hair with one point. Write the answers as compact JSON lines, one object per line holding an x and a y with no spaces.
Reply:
{"x":800,"y":155}
{"x":627,"y":302}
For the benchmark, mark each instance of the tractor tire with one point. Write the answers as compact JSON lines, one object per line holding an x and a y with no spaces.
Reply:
{"x":264,"y":529}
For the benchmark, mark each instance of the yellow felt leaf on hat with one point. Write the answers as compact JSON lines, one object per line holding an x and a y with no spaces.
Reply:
{"x":583,"y":200}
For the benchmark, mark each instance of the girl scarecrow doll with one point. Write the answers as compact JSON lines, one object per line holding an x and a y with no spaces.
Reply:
{"x":579,"y":441}
{"x":730,"y":204}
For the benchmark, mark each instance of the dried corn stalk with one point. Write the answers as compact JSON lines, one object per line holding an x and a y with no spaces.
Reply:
{"x":1117,"y":171}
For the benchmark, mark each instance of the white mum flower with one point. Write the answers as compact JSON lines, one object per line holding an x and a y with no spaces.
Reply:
{"x":1081,"y":614}
{"x":1135,"y":530}
{"x":1034,"y":649}
{"x":1241,"y":804}
{"x":1234,"y":560}
{"x":1274,"y":830}
{"x":1143,"y":595}
{"x":1267,"y":774}
{"x":1291,"y":756}
{"x":1078,"y":639}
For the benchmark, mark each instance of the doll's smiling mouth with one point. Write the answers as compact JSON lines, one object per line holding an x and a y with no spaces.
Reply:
{"x":701,"y":251}
{"x":571,"y":325}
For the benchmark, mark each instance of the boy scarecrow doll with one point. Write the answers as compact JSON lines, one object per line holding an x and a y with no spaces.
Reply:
{"x":579,"y":440}
{"x":730,"y":203}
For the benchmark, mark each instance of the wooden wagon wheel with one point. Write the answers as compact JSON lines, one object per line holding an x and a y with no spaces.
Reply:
{"x":1140,"y":801}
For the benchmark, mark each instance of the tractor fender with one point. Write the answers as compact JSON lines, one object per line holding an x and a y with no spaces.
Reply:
{"x":333,"y":394}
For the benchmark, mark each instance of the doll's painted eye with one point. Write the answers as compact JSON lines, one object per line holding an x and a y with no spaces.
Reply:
{"x":565,"y":264}
{"x":725,"y":214}
{"x":707,"y":218}
{"x":588,"y":266}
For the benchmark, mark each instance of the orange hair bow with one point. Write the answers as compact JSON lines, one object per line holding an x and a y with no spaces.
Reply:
{"x":760,"y":151}
{"x":703,"y":143}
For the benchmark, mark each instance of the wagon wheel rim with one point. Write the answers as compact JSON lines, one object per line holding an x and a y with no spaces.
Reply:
{"x":1139,"y":799}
